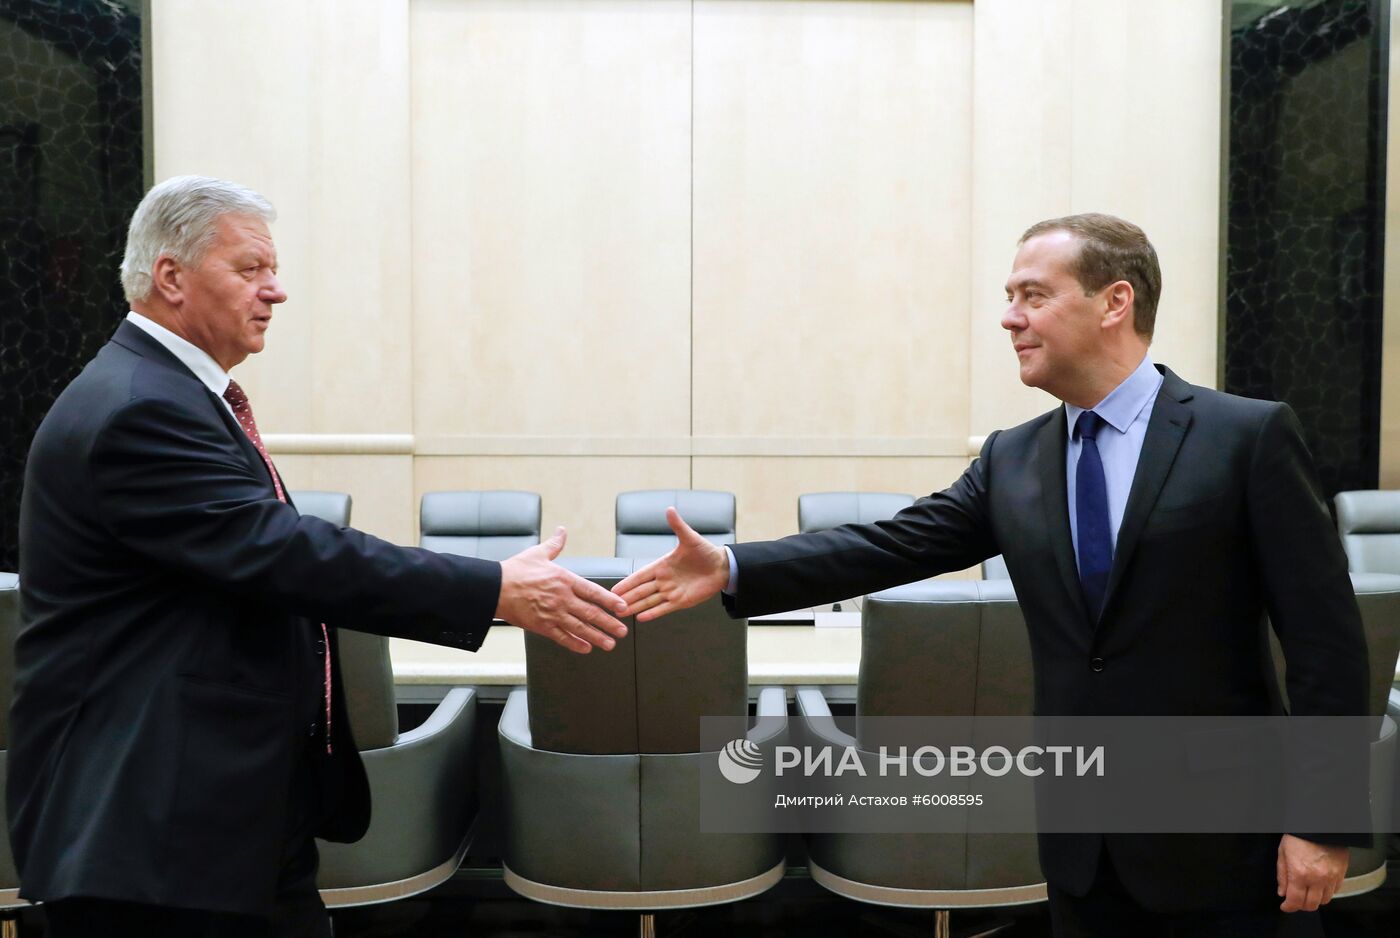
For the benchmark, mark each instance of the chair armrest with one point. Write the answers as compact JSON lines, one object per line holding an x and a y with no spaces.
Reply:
{"x":515,"y":719}
{"x":423,"y":788}
{"x":771,"y":715}
{"x":442,"y":716}
{"x":817,"y":720}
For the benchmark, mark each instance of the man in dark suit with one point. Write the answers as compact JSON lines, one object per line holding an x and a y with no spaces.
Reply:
{"x":179,"y":734}
{"x":1147,"y":525}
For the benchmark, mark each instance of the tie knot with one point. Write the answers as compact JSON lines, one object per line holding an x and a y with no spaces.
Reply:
{"x":1087,"y":426}
{"x":234,"y":395}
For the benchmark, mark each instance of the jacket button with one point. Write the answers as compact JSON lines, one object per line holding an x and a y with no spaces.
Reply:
{"x":311,"y":731}
{"x":1096,"y":664}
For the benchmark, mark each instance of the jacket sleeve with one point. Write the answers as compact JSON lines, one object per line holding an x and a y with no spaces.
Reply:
{"x":945,"y":531}
{"x":1312,"y":608}
{"x":175,"y":487}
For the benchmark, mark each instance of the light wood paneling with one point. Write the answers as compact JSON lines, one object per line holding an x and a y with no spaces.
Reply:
{"x":831,"y":212}
{"x":1076,"y":113}
{"x":1022,"y":157}
{"x":766,"y":488}
{"x":486,"y":227}
{"x":307,"y":103}
{"x":575,"y":491}
{"x":380,"y":487}
{"x":1147,"y":148}
{"x":551,"y":149}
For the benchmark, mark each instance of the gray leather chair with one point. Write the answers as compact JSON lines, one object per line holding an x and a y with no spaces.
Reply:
{"x":422,"y":783}
{"x":994,"y":568}
{"x":601,"y":764}
{"x":490,"y":525}
{"x":934,"y":648}
{"x":10,"y":902}
{"x":1378,"y":596}
{"x":818,"y":511}
{"x":329,"y":506}
{"x":642,"y":531}
{"x":1369,"y":523}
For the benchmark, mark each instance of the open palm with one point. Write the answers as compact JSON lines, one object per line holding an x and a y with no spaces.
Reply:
{"x":690,"y":574}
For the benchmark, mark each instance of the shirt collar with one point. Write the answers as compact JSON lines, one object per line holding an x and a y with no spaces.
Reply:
{"x":1125,"y":402}
{"x":191,"y":356}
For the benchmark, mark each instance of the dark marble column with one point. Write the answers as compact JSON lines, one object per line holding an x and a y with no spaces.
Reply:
{"x":71,"y":173}
{"x":1306,"y":202}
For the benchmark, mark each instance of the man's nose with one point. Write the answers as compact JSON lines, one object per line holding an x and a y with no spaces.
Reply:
{"x":1011,"y":318}
{"x":273,"y":292}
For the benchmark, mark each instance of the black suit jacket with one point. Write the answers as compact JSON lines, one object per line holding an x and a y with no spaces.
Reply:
{"x":1224,"y":522}
{"x":167,"y":663}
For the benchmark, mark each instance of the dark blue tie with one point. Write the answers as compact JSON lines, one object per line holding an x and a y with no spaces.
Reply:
{"x":1091,"y":515}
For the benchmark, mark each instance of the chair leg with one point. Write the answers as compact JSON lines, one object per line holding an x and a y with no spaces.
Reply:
{"x":647,"y":927}
{"x":942,"y":924}
{"x":9,"y":927}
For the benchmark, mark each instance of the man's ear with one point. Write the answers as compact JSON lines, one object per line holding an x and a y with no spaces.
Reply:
{"x":166,"y":280}
{"x":1118,"y":297}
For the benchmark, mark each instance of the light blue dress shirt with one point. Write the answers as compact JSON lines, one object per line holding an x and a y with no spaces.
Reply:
{"x":1125,"y":411}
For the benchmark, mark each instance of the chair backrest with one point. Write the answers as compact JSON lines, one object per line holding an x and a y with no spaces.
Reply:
{"x":994,"y":568}
{"x":1369,"y":523}
{"x":818,"y":511}
{"x":642,"y":531}
{"x":367,"y":677}
{"x":648,"y":694}
{"x":944,"y":648}
{"x":491,"y":525}
{"x":366,"y":674}
{"x":328,"y":506}
{"x":9,"y":630}
{"x":1378,"y":596}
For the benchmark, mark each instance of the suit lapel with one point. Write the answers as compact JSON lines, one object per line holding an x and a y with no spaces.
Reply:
{"x":1165,"y":430}
{"x":136,"y":339}
{"x":1050,"y":459}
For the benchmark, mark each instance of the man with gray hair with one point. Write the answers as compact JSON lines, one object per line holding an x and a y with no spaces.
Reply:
{"x":179,"y":733}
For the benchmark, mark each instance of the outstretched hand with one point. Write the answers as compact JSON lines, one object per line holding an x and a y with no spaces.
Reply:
{"x":690,"y":574}
{"x":540,"y":596}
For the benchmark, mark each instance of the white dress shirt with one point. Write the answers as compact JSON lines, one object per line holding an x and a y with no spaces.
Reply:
{"x":192,"y":356}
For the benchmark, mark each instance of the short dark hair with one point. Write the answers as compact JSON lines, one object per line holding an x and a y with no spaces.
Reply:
{"x":1111,"y":249}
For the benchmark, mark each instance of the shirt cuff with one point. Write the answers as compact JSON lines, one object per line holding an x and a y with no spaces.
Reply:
{"x":732,"y":586}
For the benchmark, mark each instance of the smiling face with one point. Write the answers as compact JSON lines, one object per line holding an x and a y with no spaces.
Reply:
{"x":224,"y":302}
{"x":1056,"y":329}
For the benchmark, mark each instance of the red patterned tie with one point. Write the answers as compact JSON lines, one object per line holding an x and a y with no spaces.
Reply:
{"x":243,"y":413}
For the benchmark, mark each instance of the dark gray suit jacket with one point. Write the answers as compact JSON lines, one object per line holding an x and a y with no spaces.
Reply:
{"x":1225,"y":522}
{"x":168,"y":660}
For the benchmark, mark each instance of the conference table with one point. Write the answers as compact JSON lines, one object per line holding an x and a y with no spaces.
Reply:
{"x":825,"y":653}
{"x":811,"y":648}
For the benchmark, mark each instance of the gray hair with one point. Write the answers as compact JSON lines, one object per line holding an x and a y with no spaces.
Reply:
{"x":177,"y":219}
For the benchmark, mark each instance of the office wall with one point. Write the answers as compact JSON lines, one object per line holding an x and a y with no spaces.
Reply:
{"x":1390,"y":349}
{"x":581,"y":246}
